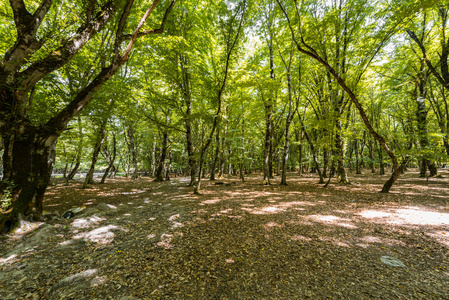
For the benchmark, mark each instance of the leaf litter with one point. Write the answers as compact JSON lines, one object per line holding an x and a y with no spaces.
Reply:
{"x":146,"y":240}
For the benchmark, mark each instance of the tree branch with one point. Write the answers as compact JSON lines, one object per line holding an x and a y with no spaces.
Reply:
{"x":21,"y":15}
{"x":66,"y":51}
{"x":57,"y":124}
{"x":26,"y":26}
{"x":426,"y":58}
{"x":153,"y":31}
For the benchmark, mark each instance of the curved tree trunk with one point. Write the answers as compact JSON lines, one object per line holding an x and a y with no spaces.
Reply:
{"x":313,"y":54}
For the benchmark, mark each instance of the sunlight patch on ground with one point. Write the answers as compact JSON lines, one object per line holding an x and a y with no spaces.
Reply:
{"x":378,"y":240}
{"x":234,"y":217}
{"x":280,"y":207}
{"x":84,"y":274}
{"x":26,"y":227}
{"x":174,"y":217}
{"x":133,"y":192}
{"x":271,"y":225}
{"x":408,"y":216}
{"x":372,"y":214}
{"x":102,"y":235}
{"x":87,"y":222}
{"x":65,"y":243}
{"x":199,"y":211}
{"x":226,"y":211}
{"x":175,"y":224}
{"x":301,"y":238}
{"x":300,"y":221}
{"x":165,"y":241}
{"x":8,"y":260}
{"x":298,"y":203}
{"x":333,"y":240}
{"x":211,"y":201}
{"x":416,"y":216}
{"x":440,"y":236}
{"x":263,"y":210}
{"x":98,"y":280}
{"x":333,"y":220}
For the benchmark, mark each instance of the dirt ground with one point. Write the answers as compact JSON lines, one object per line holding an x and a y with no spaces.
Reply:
{"x":239,"y":240}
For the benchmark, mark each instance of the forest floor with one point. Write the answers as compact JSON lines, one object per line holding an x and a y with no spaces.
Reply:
{"x":240,"y":240}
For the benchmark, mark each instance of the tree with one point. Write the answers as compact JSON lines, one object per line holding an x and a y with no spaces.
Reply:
{"x":41,"y":47}
{"x":378,"y":36}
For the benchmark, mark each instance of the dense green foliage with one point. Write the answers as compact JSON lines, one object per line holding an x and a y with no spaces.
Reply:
{"x":193,"y":76}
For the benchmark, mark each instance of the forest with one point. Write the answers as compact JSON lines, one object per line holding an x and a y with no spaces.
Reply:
{"x":217,"y":101}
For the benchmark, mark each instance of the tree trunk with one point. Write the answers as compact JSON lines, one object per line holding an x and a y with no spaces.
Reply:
{"x":168,"y":167}
{"x":381,"y":161}
{"x":28,"y":159}
{"x":266,"y":149}
{"x":97,"y":147}
{"x":357,"y":161}
{"x":161,"y":162}
{"x":242,"y":159}
{"x":29,"y":150}
{"x":300,"y":154}
{"x":79,"y":152}
{"x":371,"y":156}
{"x":325,"y":162}
{"x":189,"y":138}
{"x":215,"y":161}
{"x":64,"y":172}
{"x":110,"y":157}
{"x":341,"y":172}
{"x":153,"y":158}
{"x":421,"y":115}
{"x":312,"y":149}
{"x":132,"y":150}
{"x":287,"y":129}
{"x":221,"y":168}
{"x":314,"y":55}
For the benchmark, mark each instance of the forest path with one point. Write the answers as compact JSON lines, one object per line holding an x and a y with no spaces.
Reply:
{"x":240,"y":240}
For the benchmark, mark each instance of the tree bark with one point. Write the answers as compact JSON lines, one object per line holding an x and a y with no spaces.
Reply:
{"x":153,"y":158}
{"x":216,"y":156}
{"x":79,"y":152}
{"x":168,"y":166}
{"x":110,"y":157}
{"x":28,"y":160}
{"x":287,"y":129}
{"x":132,"y":150}
{"x":242,"y":159}
{"x":97,"y":147}
{"x":312,"y":149}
